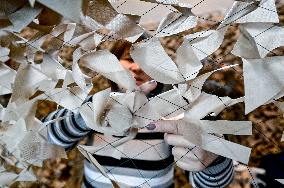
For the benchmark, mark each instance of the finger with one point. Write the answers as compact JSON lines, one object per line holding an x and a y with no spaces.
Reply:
{"x":205,"y":157}
{"x":184,"y":153}
{"x":178,"y":140}
{"x":190,"y":166}
{"x":148,"y":86}
{"x":209,"y":158}
{"x":167,"y":126}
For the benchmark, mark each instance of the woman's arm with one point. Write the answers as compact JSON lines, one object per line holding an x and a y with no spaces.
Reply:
{"x":68,"y":131}
{"x":218,"y":174}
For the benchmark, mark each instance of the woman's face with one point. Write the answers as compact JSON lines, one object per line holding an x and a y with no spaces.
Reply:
{"x":139,"y":75}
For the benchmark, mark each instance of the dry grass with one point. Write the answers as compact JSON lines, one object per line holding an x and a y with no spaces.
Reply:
{"x":267,"y":120}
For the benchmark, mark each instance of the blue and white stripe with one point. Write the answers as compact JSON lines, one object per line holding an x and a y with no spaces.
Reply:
{"x":219,"y":174}
{"x":68,"y":131}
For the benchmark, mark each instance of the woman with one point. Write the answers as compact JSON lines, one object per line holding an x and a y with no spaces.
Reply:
{"x":147,"y":160}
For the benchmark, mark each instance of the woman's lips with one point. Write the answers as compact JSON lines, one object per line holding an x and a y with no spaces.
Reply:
{"x":138,"y":80}
{"x":138,"y":83}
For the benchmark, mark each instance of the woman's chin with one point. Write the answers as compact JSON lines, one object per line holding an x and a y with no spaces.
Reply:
{"x":138,"y":83}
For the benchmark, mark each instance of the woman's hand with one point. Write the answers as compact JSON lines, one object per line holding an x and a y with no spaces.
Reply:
{"x":187,"y":156}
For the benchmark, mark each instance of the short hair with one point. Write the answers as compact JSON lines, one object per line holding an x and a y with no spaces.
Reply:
{"x":121,"y":49}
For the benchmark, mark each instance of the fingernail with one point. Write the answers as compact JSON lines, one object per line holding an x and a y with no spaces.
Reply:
{"x":151,"y":126}
{"x":152,"y":81}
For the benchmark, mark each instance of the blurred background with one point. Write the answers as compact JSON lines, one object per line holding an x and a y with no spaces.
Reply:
{"x":267,"y":120}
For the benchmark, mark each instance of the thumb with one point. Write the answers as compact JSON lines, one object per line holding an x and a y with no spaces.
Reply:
{"x":167,"y":126}
{"x":148,"y":86}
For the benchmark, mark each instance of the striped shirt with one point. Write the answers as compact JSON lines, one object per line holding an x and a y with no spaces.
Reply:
{"x":145,"y":161}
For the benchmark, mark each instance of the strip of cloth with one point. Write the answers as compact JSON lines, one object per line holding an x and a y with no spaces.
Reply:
{"x":146,"y":161}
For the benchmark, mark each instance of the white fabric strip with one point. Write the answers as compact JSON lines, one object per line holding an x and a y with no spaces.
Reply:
{"x":129,"y":180}
{"x":130,"y":171}
{"x":152,"y":149}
